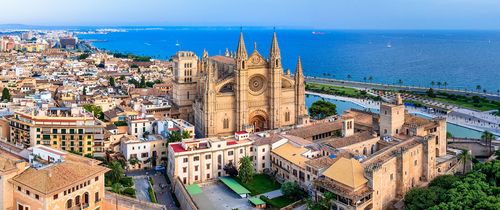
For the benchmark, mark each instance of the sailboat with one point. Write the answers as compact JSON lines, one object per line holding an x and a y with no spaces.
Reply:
{"x":389,"y":45}
{"x":177,"y":44}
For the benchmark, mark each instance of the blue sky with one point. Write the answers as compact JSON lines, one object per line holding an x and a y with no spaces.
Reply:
{"x":333,"y":14}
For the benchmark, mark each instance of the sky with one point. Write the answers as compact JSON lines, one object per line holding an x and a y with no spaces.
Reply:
{"x":327,"y":14}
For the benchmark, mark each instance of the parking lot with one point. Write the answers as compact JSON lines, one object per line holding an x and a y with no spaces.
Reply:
{"x":218,"y":193}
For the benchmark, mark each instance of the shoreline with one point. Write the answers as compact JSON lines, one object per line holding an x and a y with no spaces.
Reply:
{"x":375,"y":105}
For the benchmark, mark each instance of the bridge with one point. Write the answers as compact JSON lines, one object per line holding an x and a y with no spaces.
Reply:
{"x":380,"y":86}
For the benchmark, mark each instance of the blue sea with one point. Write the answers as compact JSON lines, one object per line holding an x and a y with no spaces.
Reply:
{"x":462,"y":59}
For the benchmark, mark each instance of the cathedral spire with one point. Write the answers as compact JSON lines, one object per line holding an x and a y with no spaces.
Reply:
{"x":298,"y":71}
{"x":255,"y":46}
{"x":241,"y":51}
{"x":275,"y":49}
{"x":274,"y":54}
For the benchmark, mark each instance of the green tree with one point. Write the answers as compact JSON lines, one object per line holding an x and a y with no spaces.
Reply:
{"x":112,"y":81}
{"x":422,"y":198}
{"x":133,"y":161}
{"x":186,"y":134}
{"x":444,"y":181}
{"x":122,"y":77}
{"x":349,"y":76}
{"x":246,"y":171}
{"x":478,"y":88}
{"x":464,"y":157}
{"x":291,"y":189}
{"x":5,"y":94}
{"x":174,"y":136}
{"x":370,"y":78}
{"x":431,"y":93}
{"x":83,"y":56}
{"x":142,"y":84}
{"x":433,"y":83}
{"x":322,"y":109}
{"x":96,"y":110}
{"x":323,"y":203}
{"x":116,"y":171}
{"x":117,"y":188}
{"x":488,"y":137}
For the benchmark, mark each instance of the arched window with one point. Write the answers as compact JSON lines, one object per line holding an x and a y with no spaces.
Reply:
{"x":277,"y":63}
{"x":364,"y":151}
{"x":69,"y":204}
{"x":77,"y":200}
{"x":373,"y":149}
{"x":242,"y":64}
{"x":225,"y":123}
{"x":86,"y":197}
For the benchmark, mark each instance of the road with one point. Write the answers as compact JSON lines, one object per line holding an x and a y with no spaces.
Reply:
{"x":355,"y":84}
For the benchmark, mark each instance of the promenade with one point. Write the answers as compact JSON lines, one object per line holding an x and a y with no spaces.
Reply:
{"x":479,"y":121}
{"x":379,"y":86}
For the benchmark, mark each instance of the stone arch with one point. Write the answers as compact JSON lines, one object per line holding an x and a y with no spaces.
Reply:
{"x":259,"y":119}
{"x":86,"y":198}
{"x":227,"y":88}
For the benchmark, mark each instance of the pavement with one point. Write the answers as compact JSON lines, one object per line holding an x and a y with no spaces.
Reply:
{"x":356,"y":84}
{"x":141,"y":188}
{"x":222,"y":198}
{"x":272,"y":194}
{"x":162,"y":190}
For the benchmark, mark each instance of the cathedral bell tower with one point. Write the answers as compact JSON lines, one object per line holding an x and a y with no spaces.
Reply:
{"x":241,"y":84}
{"x":275,"y":74}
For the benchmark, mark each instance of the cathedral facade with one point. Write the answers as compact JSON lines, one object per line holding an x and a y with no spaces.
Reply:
{"x":238,"y":92}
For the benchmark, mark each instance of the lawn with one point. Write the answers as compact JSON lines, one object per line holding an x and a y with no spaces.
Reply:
{"x":279,"y":202}
{"x":481,"y":106}
{"x":339,"y":91}
{"x":261,"y":183}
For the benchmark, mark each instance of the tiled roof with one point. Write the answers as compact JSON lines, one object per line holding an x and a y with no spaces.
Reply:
{"x":348,"y":172}
{"x":292,"y":154}
{"x":346,"y":141}
{"x":315,"y":129}
{"x":56,"y":177}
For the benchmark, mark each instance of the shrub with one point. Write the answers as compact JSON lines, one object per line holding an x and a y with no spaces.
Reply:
{"x":127,"y":181}
{"x":129,"y":191}
{"x":152,"y":195}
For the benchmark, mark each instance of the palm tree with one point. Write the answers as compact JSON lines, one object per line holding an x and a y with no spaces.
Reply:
{"x":433,"y":83}
{"x":498,"y":92}
{"x":478,"y":88}
{"x":118,"y":189}
{"x":116,"y":171}
{"x":349,"y":76}
{"x":364,"y":78}
{"x":370,"y":78}
{"x":445,"y":84}
{"x":488,"y":137}
{"x":400,"y":81}
{"x":464,"y":157}
{"x":439,"y":84}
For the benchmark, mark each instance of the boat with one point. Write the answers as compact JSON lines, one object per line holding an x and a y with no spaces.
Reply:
{"x":177,"y":44}
{"x":318,"y":33}
{"x":389,"y":45}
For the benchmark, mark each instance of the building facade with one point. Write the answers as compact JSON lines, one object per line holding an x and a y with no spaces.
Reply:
{"x":226,"y":94}
{"x":60,"y":128}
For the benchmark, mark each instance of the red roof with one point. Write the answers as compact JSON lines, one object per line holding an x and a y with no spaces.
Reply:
{"x":229,"y":143}
{"x":177,"y":148}
{"x":173,"y":129}
{"x":241,"y":132}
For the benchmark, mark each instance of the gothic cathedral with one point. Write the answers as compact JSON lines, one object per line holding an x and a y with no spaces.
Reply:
{"x":237,"y":92}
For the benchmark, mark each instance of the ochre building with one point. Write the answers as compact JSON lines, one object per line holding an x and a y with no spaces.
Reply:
{"x":238,"y":92}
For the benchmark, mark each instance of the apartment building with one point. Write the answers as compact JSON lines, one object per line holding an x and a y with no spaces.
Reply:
{"x":57,"y":180}
{"x":150,"y":151}
{"x":69,"y":129}
{"x":195,"y":161}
